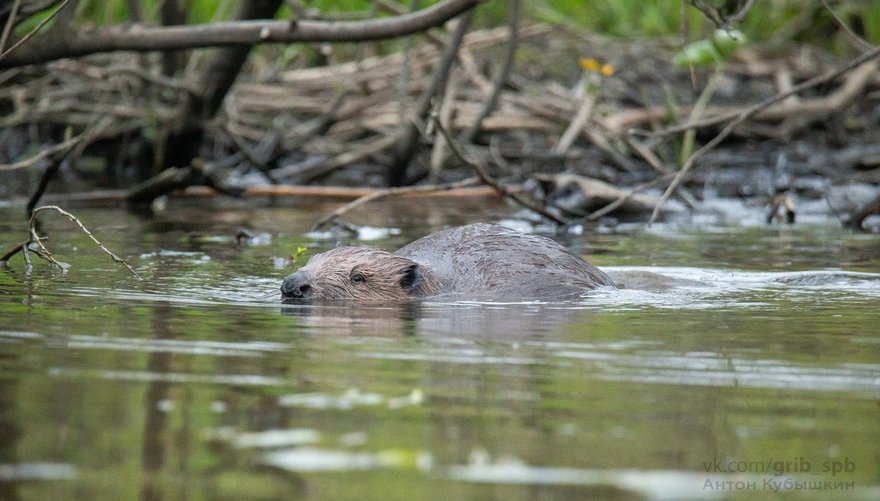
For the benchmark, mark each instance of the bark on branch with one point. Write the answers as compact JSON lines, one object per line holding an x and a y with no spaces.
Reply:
{"x":145,"y":38}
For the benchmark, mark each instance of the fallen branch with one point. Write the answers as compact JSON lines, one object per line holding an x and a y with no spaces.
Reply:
{"x":19,"y":247}
{"x":324,"y":167}
{"x":104,"y":197}
{"x":25,"y":249}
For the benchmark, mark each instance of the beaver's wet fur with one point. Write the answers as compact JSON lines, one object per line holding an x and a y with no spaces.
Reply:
{"x":480,"y":261}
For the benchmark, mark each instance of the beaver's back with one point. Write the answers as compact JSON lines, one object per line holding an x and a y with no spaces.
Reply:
{"x":487,"y":258}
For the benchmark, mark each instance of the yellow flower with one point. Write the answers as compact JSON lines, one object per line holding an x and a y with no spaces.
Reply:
{"x":589,"y":64}
{"x":593,"y":65}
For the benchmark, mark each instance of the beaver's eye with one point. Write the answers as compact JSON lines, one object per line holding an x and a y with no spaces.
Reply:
{"x":357,"y":278}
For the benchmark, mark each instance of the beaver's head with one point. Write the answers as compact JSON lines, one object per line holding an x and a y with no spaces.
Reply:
{"x":358,"y":273}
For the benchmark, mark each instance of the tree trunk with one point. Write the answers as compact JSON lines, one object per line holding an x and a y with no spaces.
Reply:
{"x":215,"y":81}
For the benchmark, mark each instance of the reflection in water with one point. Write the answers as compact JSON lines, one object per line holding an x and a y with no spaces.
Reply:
{"x":10,"y":434}
{"x":356,"y":319}
{"x":156,"y":422}
{"x":11,"y":474}
{"x":709,"y":369}
{"x":435,"y":318}
{"x":651,"y":484}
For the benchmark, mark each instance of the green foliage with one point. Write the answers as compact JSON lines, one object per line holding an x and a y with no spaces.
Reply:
{"x":617,"y":18}
{"x":715,"y":49}
{"x":297,"y":257}
{"x":776,"y":21}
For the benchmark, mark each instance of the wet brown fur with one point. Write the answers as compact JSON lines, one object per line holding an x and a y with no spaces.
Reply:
{"x":475,"y":261}
{"x":387,"y":277}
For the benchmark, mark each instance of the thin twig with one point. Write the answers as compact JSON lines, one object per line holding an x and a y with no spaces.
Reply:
{"x":489,"y":180}
{"x":39,"y":240}
{"x":690,"y":135}
{"x":710,"y":12}
{"x":626,"y":196}
{"x":35,"y":30}
{"x":63,"y":146}
{"x":447,"y":106}
{"x":10,"y":22}
{"x":646,"y":153}
{"x":861,"y":41}
{"x":741,"y":13}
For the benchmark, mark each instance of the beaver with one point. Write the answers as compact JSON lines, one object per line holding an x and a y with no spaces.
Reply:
{"x":475,"y":261}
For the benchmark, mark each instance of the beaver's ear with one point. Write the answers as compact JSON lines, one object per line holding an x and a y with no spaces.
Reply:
{"x":410,"y":277}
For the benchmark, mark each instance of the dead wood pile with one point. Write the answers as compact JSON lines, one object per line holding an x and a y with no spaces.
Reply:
{"x":305,"y":125}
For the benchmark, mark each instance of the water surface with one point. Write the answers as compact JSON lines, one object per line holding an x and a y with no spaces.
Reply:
{"x":751,"y":369}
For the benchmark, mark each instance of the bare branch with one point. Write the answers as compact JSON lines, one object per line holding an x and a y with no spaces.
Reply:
{"x":236,"y":33}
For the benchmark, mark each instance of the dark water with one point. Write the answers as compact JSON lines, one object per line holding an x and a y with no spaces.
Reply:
{"x":748,"y":367}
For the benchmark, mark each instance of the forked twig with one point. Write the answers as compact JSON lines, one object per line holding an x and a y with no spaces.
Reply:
{"x":36,"y":238}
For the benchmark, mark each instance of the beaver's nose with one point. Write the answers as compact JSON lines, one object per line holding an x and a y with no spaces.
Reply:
{"x":296,"y":286}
